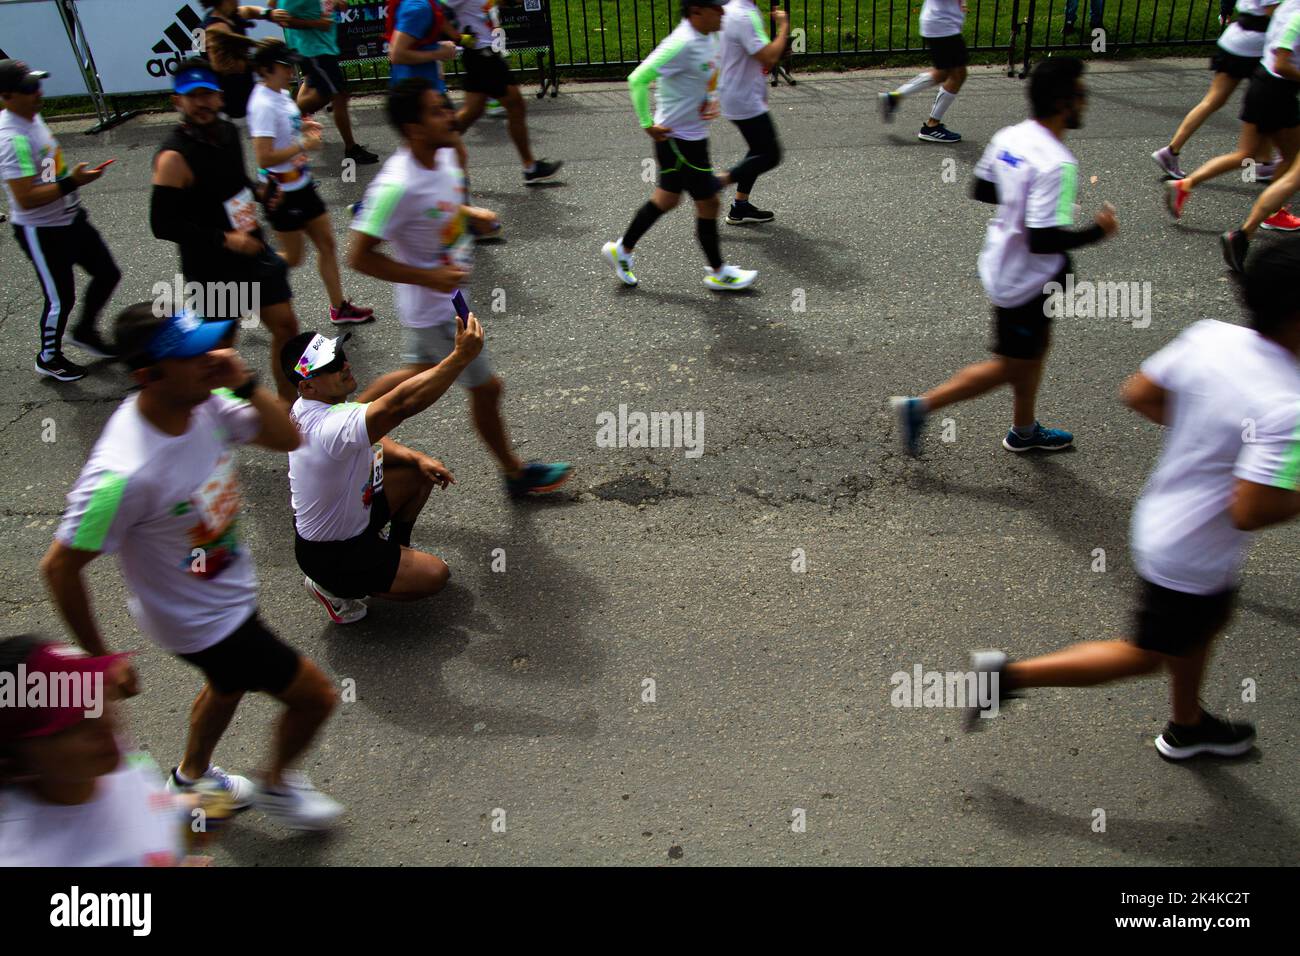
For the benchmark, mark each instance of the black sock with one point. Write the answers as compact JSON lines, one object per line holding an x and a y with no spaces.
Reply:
{"x":645,"y":217}
{"x":400,"y":532}
{"x":706,"y":230}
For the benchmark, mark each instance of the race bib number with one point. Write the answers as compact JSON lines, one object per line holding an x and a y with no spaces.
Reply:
{"x":377,"y":470}
{"x":241,"y":211}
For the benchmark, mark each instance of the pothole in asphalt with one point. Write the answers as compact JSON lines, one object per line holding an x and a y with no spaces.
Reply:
{"x":636,"y":490}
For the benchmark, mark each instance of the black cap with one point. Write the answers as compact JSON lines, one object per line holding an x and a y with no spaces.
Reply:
{"x":15,"y":74}
{"x":270,"y":52}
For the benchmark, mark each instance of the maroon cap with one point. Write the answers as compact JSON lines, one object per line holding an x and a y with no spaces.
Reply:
{"x":37,"y":699}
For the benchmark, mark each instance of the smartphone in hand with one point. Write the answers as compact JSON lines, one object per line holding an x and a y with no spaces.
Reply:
{"x":461,"y":306}
{"x":102,"y":166}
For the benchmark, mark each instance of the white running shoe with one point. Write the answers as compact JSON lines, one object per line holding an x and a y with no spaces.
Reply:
{"x":620,"y":261}
{"x":730,"y":279}
{"x":239,"y":790}
{"x":340,"y":610}
{"x":298,"y":804}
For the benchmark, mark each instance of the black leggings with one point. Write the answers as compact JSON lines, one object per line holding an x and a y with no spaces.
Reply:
{"x":54,"y":250}
{"x":764,"y":151}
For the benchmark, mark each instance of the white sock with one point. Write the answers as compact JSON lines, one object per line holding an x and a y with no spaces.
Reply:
{"x":942,"y":101}
{"x":918,"y":82}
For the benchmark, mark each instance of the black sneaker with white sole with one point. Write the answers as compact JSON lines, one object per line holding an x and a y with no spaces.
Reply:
{"x":1211,"y":736}
{"x":542,"y":170}
{"x":89,"y":340}
{"x":59,"y":368}
{"x":743,"y":212}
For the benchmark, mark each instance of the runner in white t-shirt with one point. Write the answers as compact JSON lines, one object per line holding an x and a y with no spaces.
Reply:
{"x":748,"y":54}
{"x":161,"y":490}
{"x":72,"y":793}
{"x":941,"y":26}
{"x":1235,"y":58}
{"x":1032,"y":177}
{"x":1229,"y":398}
{"x":282,"y":140}
{"x":349,"y":480}
{"x":684,"y":70}
{"x":417,"y":205}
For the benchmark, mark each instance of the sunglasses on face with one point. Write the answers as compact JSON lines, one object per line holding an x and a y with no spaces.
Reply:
{"x":335,"y":366}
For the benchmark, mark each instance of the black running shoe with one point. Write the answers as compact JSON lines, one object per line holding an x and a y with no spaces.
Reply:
{"x":1235,"y":245}
{"x":59,"y":368}
{"x":743,"y":212}
{"x":89,"y":340}
{"x":1210,"y":736}
{"x":542,"y":170}
{"x":360,"y":155}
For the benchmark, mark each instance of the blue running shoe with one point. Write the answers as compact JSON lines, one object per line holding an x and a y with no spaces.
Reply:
{"x":938,"y":134}
{"x":538,"y":478}
{"x":1050,"y":439}
{"x":911,"y":419}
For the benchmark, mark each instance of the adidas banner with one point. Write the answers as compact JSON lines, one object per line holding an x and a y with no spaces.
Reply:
{"x":137,"y":44}
{"x":33,"y":31}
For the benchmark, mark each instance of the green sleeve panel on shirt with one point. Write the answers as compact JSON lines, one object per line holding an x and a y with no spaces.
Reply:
{"x":93,"y":527}
{"x":1289,"y":475}
{"x":1290,"y":34}
{"x":760,"y":29}
{"x":1069,"y":187}
{"x":376,"y":214}
{"x":23,"y":148}
{"x":645,"y":74}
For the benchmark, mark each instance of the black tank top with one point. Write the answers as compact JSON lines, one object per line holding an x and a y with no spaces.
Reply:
{"x":217,"y":165}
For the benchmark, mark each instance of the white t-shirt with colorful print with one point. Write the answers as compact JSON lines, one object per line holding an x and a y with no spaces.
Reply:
{"x":168,"y":506}
{"x":28,"y":148}
{"x":420,"y":213}
{"x":1036,"y":177}
{"x":336,"y":471}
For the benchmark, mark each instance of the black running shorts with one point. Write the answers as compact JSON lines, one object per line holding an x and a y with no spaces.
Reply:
{"x":251,"y":658}
{"x":1178,"y":623}
{"x":354,"y":567}
{"x":296,"y":209}
{"x":948,"y":52}
{"x":1240,"y":67}
{"x":324,"y":75}
{"x":1024,"y":331}
{"x":486,"y":72}
{"x":265,"y":271}
{"x":684,"y":166}
{"x":1270,"y":103}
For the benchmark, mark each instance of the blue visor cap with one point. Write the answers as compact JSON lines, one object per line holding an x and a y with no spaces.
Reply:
{"x":195,"y":78}
{"x":186,"y":335}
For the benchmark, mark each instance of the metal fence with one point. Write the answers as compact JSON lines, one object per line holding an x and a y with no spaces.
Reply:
{"x":598,"y":33}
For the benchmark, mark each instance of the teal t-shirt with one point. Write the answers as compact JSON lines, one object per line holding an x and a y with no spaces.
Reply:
{"x":309,"y":42}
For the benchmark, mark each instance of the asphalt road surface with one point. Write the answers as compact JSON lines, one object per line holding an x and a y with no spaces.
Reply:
{"x":521,"y":697}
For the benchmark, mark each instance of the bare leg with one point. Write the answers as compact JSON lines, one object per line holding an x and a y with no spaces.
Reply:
{"x":210,"y":715}
{"x":1281,"y":189}
{"x":309,"y":700}
{"x":468,"y":114}
{"x":971,"y":382}
{"x":343,"y":120}
{"x":485,"y":410}
{"x":1247,"y":145}
{"x":322,"y":237}
{"x":1082,"y":665}
{"x":1185,"y":674}
{"x":1221,"y":87}
{"x":283,"y":325}
{"x":517,"y":124}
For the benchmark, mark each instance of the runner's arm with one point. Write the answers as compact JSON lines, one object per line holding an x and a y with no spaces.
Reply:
{"x":1055,"y":239}
{"x":169,"y":217}
{"x":402,"y":50}
{"x":420,"y":391}
{"x":364,"y":257}
{"x":1256,"y":506}
{"x":984,"y":190}
{"x":277,"y":431}
{"x":1145,"y":397}
{"x":772,"y":52}
{"x":61,"y":568}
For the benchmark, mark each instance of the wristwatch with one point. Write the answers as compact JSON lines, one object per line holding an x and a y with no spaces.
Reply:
{"x":246,"y":390}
